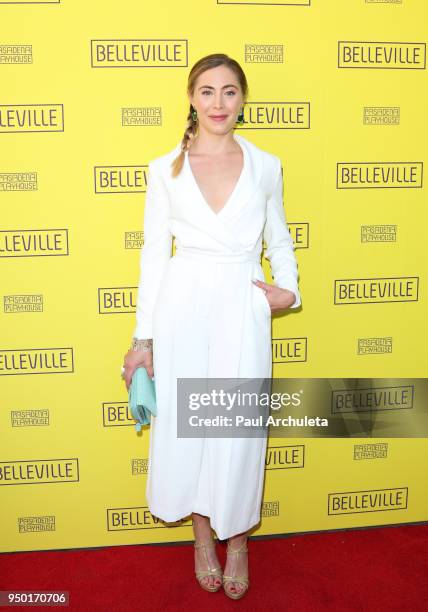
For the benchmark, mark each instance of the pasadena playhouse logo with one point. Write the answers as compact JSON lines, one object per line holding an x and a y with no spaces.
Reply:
{"x":263,"y":54}
{"x":371,"y":346}
{"x":22,"y":303}
{"x":145,"y":115}
{"x":270,"y":508}
{"x":378,"y":233}
{"x":34,"y":524}
{"x":139,"y":466}
{"x":381,"y":115}
{"x":134,"y":239}
{"x":16,"y":54}
{"x":18,"y":181}
{"x":30,"y":417}
{"x":377,"y":450}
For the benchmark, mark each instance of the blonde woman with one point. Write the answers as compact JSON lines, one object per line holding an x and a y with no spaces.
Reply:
{"x":205,"y":312}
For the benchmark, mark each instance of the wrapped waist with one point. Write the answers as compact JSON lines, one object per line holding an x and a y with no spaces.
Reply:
{"x":232,"y":257}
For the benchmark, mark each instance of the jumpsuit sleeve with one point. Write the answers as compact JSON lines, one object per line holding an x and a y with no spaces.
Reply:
{"x":279,"y":244}
{"x":155,"y":252}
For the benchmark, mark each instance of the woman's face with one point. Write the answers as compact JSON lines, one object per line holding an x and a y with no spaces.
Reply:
{"x":217,"y":99}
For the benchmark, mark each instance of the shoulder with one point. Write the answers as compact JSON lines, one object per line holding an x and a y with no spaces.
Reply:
{"x":267,"y":166}
{"x":271,"y":162}
{"x":162,"y":163}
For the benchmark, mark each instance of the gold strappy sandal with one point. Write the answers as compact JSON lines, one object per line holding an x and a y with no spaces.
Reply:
{"x":212,"y":571}
{"x":244,"y":580}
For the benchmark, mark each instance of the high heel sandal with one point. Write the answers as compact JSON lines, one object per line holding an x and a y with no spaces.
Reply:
{"x":244,"y":580}
{"x":212,"y":571}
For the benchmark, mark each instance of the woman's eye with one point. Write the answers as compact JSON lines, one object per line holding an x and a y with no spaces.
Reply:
{"x":231,"y":91}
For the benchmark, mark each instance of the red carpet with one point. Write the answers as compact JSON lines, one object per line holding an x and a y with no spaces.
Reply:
{"x":377,"y":569}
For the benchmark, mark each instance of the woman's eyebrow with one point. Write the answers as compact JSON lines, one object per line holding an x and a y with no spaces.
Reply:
{"x":211,"y":87}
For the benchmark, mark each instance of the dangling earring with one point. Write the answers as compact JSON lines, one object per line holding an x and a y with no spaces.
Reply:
{"x":240,"y":118}
{"x":194,"y":115}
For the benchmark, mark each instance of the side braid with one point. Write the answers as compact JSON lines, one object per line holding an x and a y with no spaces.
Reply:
{"x":189,"y":135}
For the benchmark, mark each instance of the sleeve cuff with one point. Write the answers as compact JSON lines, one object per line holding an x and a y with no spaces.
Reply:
{"x":291,"y":287}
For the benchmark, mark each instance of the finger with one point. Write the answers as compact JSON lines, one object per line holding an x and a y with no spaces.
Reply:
{"x":128,"y":376}
{"x":261,"y":284}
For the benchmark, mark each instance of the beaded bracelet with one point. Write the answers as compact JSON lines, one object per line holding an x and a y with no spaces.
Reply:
{"x":142,"y":344}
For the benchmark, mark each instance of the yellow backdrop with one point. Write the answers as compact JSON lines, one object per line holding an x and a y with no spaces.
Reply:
{"x":90,"y":93}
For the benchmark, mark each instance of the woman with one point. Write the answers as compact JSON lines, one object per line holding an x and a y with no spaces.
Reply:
{"x":206,"y":311}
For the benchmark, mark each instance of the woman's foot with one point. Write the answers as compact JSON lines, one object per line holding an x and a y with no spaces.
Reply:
{"x":207,"y":567}
{"x":236,"y":566}
{"x":206,"y":556}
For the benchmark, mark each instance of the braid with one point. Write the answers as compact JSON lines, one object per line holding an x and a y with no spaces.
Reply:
{"x":189,"y":135}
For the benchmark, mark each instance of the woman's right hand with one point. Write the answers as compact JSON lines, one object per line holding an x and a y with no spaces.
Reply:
{"x":133,"y":360}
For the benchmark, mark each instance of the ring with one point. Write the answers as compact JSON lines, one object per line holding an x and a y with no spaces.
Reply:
{"x":122,"y":371}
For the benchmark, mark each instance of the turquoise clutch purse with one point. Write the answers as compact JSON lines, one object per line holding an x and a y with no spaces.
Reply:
{"x":142,"y":398}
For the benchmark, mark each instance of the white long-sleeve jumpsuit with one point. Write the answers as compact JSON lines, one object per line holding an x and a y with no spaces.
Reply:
{"x":208,"y":320}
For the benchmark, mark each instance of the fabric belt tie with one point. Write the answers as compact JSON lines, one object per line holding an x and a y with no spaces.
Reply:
{"x":238,"y":257}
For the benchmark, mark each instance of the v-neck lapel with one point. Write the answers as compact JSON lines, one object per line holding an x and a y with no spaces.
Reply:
{"x":240,"y":180}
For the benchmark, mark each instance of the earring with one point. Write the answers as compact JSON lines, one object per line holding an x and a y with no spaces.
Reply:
{"x":194,"y":115}
{"x":240,"y":118}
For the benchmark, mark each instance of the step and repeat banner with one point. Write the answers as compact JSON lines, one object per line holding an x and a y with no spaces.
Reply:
{"x":90,"y":93}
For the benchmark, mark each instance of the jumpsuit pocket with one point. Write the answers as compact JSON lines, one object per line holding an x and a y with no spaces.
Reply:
{"x":264,"y":300}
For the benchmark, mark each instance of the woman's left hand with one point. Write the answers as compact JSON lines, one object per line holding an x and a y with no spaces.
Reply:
{"x":279,"y":299}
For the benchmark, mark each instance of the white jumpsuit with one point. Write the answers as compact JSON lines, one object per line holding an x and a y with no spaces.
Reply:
{"x":208,"y":320}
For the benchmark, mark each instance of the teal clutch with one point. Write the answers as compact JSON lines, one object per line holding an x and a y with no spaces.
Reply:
{"x":142,"y":398}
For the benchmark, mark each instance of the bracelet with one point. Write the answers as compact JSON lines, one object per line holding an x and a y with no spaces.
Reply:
{"x":142,"y":344}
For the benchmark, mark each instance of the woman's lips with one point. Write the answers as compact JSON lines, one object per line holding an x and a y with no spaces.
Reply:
{"x":218,"y":117}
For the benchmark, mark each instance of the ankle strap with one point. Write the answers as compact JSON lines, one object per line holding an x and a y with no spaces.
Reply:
{"x":208,"y":544}
{"x":243,"y":548}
